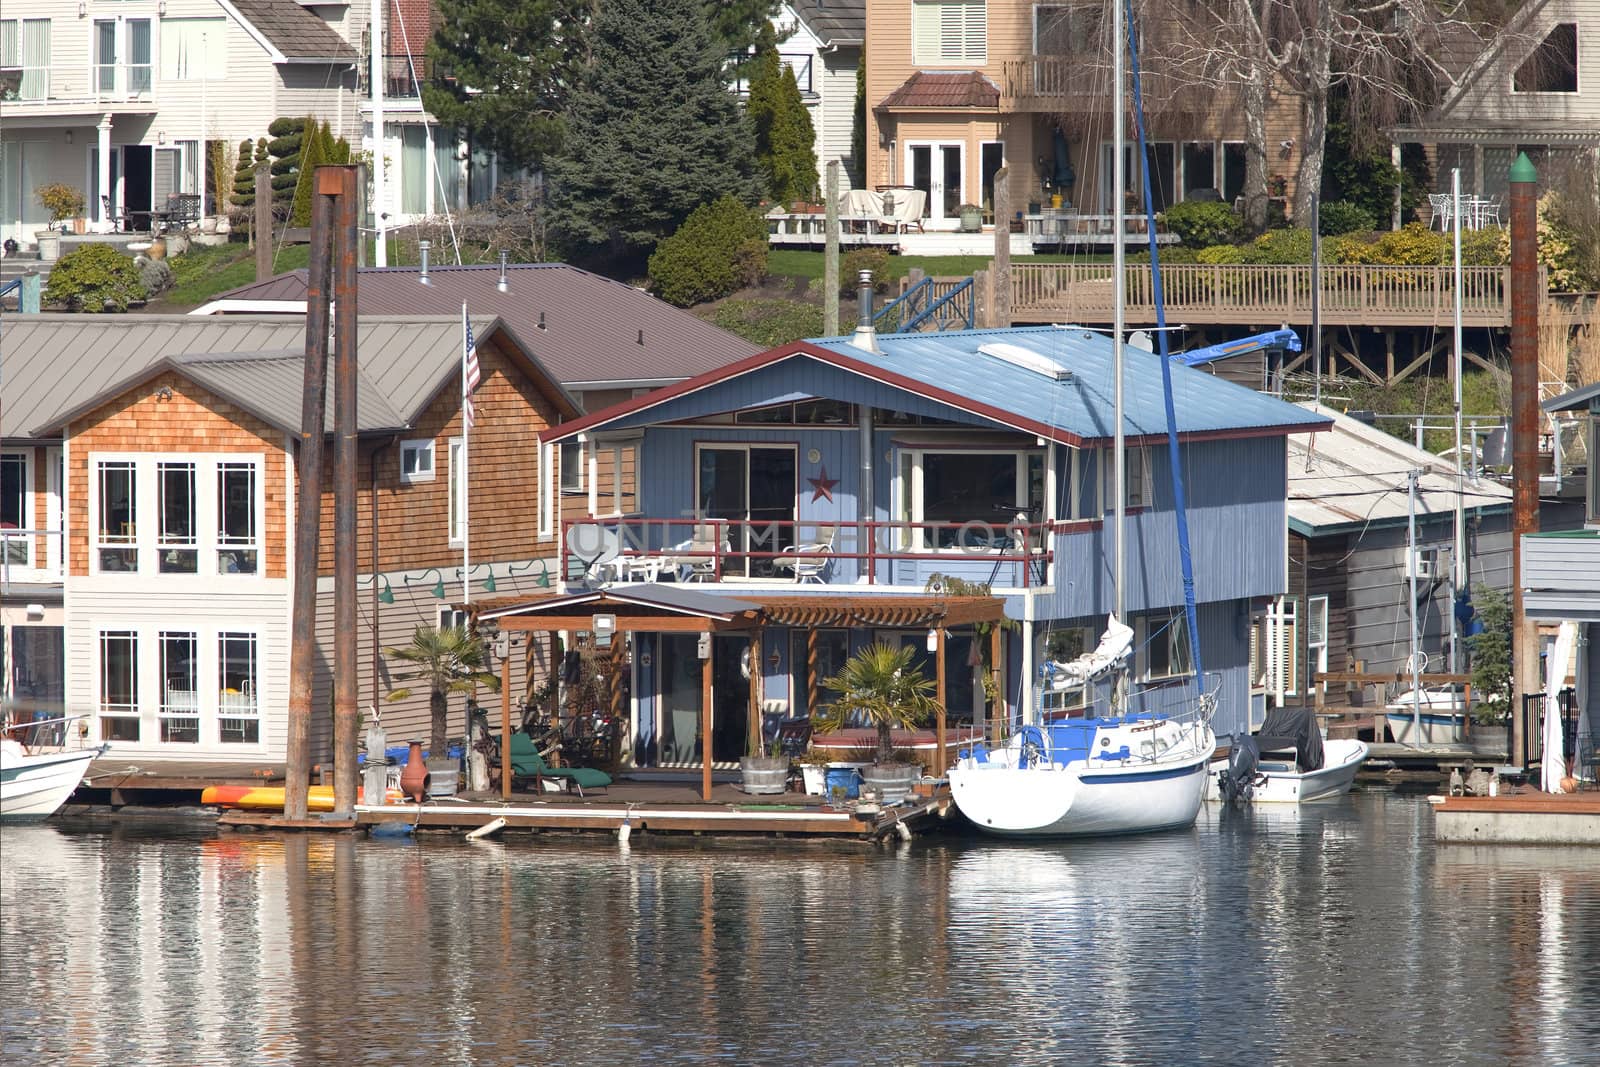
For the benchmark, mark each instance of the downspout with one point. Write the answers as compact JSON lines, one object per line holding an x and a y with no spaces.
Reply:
{"x":372,"y":508}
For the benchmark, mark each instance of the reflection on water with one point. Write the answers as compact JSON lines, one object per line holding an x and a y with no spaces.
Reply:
{"x":1340,"y":933}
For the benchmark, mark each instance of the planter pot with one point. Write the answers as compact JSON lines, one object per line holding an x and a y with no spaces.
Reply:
{"x":765,"y":775}
{"x":444,"y":776}
{"x":49,"y":244}
{"x":80,"y":225}
{"x":815,"y":778}
{"x":971,"y":221}
{"x":842,"y":783}
{"x":177,"y":244}
{"x":891,"y":781}
{"x":414,"y":779}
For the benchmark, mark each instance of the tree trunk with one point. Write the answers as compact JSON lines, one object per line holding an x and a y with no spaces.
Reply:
{"x":885,"y":744}
{"x":1254,"y":94}
{"x":441,"y":723}
{"x":1314,"y":113}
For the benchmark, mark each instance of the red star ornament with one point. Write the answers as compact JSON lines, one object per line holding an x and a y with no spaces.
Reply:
{"x":822,"y":486}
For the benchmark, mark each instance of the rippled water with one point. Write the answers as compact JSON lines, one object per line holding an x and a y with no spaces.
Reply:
{"x":1340,"y":934}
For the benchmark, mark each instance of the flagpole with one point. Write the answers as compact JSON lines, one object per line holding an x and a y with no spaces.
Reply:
{"x":466,"y":432}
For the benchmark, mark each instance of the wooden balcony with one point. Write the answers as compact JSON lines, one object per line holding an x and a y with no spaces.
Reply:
{"x":1052,"y":84}
{"x":1252,"y":294}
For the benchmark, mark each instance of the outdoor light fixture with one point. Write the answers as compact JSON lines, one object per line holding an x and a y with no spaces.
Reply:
{"x":933,"y":640}
{"x":605,"y":627}
{"x":438,"y":586}
{"x":544,"y":571}
{"x":488,"y":583}
{"x":385,"y":595}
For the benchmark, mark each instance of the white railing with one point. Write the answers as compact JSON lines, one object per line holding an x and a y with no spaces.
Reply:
{"x":26,"y":556}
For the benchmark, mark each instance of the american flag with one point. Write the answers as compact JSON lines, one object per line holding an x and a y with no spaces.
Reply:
{"x":470,"y":373}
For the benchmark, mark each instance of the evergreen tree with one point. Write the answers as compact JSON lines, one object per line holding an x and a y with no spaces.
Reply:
{"x":738,"y":25}
{"x":858,"y":127}
{"x":311,"y":149}
{"x":785,"y":141}
{"x":244,"y":176}
{"x":654,"y":133}
{"x":284,"y":149}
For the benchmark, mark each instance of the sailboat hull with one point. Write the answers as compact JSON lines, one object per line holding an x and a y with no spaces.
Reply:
{"x":1044,"y":798}
{"x":33,"y":786}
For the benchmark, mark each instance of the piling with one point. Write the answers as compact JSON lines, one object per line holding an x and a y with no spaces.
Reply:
{"x":830,"y":255}
{"x":263,"y":226}
{"x":338,"y":184}
{"x":1525,"y":297}
{"x":1000,"y":280}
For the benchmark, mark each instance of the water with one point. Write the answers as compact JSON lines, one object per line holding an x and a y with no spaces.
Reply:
{"x":1338,"y":934}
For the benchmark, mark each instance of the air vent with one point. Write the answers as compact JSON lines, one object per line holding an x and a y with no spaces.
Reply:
{"x":1027,"y":359}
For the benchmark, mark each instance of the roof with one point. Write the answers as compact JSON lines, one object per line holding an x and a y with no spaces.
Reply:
{"x":59,"y":366}
{"x":1284,"y":339}
{"x":934,"y":88}
{"x":1585,"y":399}
{"x":671,"y":598}
{"x":1054,"y":382}
{"x":271,"y":386}
{"x":294,"y":31}
{"x":1356,"y":476}
{"x":834,"y":22}
{"x":584,"y":328}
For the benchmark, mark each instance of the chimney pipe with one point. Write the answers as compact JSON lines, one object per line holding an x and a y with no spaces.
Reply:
{"x":865,"y":337}
{"x":422,"y":248}
{"x":502,"y":285}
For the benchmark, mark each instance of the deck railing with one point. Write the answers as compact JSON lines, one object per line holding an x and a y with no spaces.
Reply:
{"x":1256,"y":293}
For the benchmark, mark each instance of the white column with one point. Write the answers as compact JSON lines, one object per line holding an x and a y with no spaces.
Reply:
{"x":103,"y":135}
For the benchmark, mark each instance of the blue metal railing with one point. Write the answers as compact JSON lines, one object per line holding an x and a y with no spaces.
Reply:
{"x":922,"y":305}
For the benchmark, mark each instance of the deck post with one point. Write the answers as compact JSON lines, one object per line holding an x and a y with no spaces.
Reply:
{"x":705,"y":721}
{"x":339,"y":185}
{"x":940,"y":714}
{"x":1526,"y":283}
{"x":756,"y":680}
{"x":505,"y":716}
{"x":999,"y":310}
{"x":811,"y":671}
{"x":997,"y":672}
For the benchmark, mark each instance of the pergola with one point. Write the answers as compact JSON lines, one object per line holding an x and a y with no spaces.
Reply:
{"x":669,"y":608}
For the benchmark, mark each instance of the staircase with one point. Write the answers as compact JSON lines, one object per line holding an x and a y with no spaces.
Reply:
{"x":14,"y":267}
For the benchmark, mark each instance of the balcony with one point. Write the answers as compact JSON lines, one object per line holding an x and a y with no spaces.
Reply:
{"x":30,"y":557}
{"x":398,"y":80}
{"x":1052,"y":84}
{"x":1003,"y":555}
{"x":115,"y":82}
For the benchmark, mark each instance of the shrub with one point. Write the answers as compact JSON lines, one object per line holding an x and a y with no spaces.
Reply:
{"x":61,"y":200}
{"x":770,"y":323}
{"x":1169,"y":254}
{"x":1342,"y":216}
{"x":1200,"y":223}
{"x":154,"y":274}
{"x":1280,"y":247}
{"x":854,"y":262}
{"x":1220,"y":254}
{"x":1411,"y":245}
{"x":720,"y":248}
{"x":95,"y":278}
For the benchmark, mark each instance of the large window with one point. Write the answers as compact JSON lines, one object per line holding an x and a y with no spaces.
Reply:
{"x":25,"y":44}
{"x":1164,"y":640}
{"x":180,"y":688}
{"x":14,"y":507}
{"x":207,"y":514}
{"x":117,"y":536}
{"x":949,"y":31}
{"x":238,"y":710}
{"x":967,"y":499}
{"x":238,"y":550}
{"x":1553,"y":66}
{"x":178,"y":538}
{"x":119,"y":685}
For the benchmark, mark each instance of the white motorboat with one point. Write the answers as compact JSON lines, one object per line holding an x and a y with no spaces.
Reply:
{"x":1286,"y":762}
{"x":1439,"y":712}
{"x":33,"y":784}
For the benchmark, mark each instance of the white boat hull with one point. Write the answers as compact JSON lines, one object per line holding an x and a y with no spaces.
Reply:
{"x":1077,"y":800}
{"x":1280,"y":784}
{"x":33,"y":786}
{"x":1438,"y":727}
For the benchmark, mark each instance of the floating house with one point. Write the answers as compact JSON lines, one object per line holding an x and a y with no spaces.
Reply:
{"x":947,"y":491}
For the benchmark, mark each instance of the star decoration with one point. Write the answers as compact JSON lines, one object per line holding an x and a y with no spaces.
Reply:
{"x":822,"y":487}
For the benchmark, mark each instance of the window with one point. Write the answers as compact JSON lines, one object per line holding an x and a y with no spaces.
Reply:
{"x":949,"y":31}
{"x":237,"y":548}
{"x":416,"y":462}
{"x":25,"y":44}
{"x":180,"y":688}
{"x":178,"y":536}
{"x":192,"y":49}
{"x":966,"y":499}
{"x":1593,"y":517}
{"x":1137,"y":461}
{"x":1282,"y":644}
{"x":571,"y":466}
{"x":238,"y":711}
{"x":800,"y":413}
{"x":1553,"y":66}
{"x":1066,"y":30}
{"x":122,"y":77}
{"x":452,"y":618}
{"x":118,"y":545}
{"x":547,"y":498}
{"x":615,"y":479}
{"x":1317,"y":634}
{"x":458,"y":491}
{"x":14,"y":508}
{"x":1165,"y":642}
{"x":1063,"y":646}
{"x":833,"y":648}
{"x":119,"y":685}
{"x":1233,"y":168}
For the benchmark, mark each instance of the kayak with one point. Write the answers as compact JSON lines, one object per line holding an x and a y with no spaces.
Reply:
{"x":270,"y":798}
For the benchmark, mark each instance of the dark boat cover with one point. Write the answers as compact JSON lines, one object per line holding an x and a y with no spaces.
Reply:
{"x":1294,"y":728}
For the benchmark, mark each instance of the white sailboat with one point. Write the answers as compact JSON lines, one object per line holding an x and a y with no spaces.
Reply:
{"x":35,"y":781}
{"x":1119,"y":774}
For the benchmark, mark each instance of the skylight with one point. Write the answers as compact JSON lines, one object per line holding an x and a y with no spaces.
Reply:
{"x":1027,"y":359}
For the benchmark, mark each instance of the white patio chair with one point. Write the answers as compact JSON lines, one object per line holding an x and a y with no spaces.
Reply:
{"x":809,"y":562}
{"x":1440,"y":205}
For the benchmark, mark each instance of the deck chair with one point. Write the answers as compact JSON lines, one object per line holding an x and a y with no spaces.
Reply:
{"x":528,"y":762}
{"x":698,"y":567}
{"x":809,"y":561}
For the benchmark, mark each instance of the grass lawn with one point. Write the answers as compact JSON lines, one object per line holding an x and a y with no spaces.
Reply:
{"x":201,"y":273}
{"x":789,"y":262}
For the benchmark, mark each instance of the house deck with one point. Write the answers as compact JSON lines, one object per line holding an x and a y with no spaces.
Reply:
{"x":1523,"y":817}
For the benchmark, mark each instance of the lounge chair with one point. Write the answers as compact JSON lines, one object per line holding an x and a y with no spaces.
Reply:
{"x":528,"y":762}
{"x":809,"y":562}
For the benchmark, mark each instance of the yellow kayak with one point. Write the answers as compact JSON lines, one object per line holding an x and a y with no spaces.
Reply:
{"x":270,"y":798}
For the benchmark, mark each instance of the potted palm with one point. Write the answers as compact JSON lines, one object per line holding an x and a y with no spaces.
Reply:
{"x":446,"y":660}
{"x":880,"y":685}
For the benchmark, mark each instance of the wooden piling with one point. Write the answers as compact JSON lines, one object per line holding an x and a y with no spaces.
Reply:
{"x":262,"y":232}
{"x":338,"y":184}
{"x":1525,"y":297}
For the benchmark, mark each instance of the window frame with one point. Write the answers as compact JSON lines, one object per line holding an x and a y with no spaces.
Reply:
{"x":938,"y":55}
{"x":456,"y":514}
{"x":1316,"y":651}
{"x":125,"y":544}
{"x":910,"y":501}
{"x":571,"y":478}
{"x":418,"y":446}
{"x":247,"y":716}
{"x":168,"y":713}
{"x":1136,"y":494}
{"x":1536,"y":53}
{"x":171,"y":548}
{"x":1172,"y":628}
{"x":26,"y":518}
{"x":144,"y":546}
{"x":124,"y":712}
{"x":35,"y":75}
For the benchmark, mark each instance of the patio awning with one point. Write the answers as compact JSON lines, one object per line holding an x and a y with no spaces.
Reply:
{"x":889,"y":611}
{"x":645,"y":607}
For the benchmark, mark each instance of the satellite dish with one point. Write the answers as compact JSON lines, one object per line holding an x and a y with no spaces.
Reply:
{"x":1140,"y":339}
{"x":592,"y":544}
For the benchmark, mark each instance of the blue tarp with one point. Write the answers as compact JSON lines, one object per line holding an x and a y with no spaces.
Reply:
{"x":1287,"y":340}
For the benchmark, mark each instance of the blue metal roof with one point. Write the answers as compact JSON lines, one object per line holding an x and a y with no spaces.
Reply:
{"x":989,"y":367}
{"x":1287,"y":340}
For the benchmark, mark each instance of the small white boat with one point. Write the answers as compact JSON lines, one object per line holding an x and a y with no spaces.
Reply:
{"x":1281,"y":780}
{"x":1440,"y":711}
{"x":34,"y":784}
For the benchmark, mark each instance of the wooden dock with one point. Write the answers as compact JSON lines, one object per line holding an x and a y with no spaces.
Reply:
{"x":119,"y":781}
{"x":1523,"y":817}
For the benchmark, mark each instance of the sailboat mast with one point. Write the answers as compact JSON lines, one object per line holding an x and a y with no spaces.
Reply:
{"x":1411,"y":570}
{"x":380,"y":198}
{"x":1458,"y":561}
{"x":1119,"y":459}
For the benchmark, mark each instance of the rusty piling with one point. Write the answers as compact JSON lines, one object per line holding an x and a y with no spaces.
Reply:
{"x":1525,"y":297}
{"x":338,"y":185}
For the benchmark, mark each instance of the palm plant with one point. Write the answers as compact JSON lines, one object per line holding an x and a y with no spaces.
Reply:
{"x":880,"y":685}
{"x":446,"y":660}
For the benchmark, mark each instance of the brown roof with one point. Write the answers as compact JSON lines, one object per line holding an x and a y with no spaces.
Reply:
{"x":294,"y":31}
{"x":835,"y":22}
{"x":927,"y":88}
{"x":586,"y":329}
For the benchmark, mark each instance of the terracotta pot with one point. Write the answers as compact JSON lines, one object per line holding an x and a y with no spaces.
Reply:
{"x":414,"y":779}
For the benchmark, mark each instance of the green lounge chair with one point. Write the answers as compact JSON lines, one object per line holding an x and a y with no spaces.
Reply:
{"x":527,"y":762}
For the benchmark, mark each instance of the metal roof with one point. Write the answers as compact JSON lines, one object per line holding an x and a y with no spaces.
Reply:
{"x":271,"y":385}
{"x":834,"y":22}
{"x":57,"y":366}
{"x":587,"y":330}
{"x":294,"y":31}
{"x":1585,"y":399}
{"x":1355,"y":474}
{"x":663,"y":596}
{"x":990,"y":374}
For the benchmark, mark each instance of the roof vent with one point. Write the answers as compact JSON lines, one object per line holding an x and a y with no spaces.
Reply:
{"x":502,"y":284}
{"x":422,"y":249}
{"x":1027,"y":359}
{"x":865,"y":337}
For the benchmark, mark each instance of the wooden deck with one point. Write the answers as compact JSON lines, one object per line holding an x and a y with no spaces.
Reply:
{"x":1523,"y":817}
{"x":128,"y":781}
{"x":1253,"y":294}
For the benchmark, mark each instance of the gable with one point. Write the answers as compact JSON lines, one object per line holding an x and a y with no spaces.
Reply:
{"x":1502,"y":88}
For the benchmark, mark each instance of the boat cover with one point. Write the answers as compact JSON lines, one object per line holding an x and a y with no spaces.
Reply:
{"x":1115,"y":644}
{"x":1294,"y":728}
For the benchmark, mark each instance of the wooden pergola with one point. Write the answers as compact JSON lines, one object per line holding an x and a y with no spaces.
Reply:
{"x":670,"y":608}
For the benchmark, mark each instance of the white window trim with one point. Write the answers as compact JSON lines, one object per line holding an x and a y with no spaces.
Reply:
{"x":1317,"y":652}
{"x":1139,"y":478}
{"x":420,"y":444}
{"x":1159,"y":626}
{"x":455,"y":493}
{"x":918,"y":539}
{"x":563,"y":470}
{"x":1511,"y":82}
{"x":148,"y":696}
{"x":1283,"y":631}
{"x":147,"y":511}
{"x":547,"y":492}
{"x":29,"y":519}
{"x":449,"y":616}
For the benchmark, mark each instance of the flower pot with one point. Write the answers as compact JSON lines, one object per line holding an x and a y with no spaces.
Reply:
{"x":158,"y":248}
{"x":815,"y":779}
{"x":971,"y":220}
{"x":49,"y":244}
{"x":80,"y":225}
{"x":444,"y":776}
{"x":765,"y":775}
{"x":414,"y":779}
{"x":843,"y":781}
{"x":891,"y":781}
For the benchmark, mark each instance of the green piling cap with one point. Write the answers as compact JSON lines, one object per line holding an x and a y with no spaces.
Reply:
{"x":1522,"y":170}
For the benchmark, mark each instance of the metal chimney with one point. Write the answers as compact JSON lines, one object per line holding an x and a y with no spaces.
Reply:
{"x":865,"y":337}
{"x":502,"y":284}
{"x":422,"y":247}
